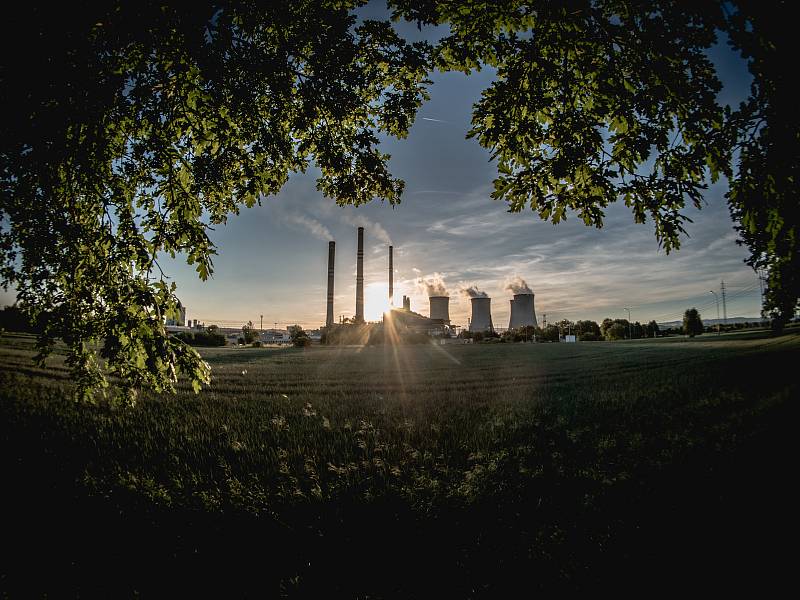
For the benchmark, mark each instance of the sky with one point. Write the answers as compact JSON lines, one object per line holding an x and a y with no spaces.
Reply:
{"x":272,"y":259}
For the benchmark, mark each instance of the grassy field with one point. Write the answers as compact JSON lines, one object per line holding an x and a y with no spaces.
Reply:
{"x":411,"y":471}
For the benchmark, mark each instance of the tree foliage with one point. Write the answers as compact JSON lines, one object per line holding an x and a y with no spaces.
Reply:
{"x":132,"y":129}
{"x":299,"y":336}
{"x":588,"y":331}
{"x":249,"y":333}
{"x":603,"y":100}
{"x":764,"y":196}
{"x":692,"y":324}
{"x":652,"y":329}
{"x":209,"y":337}
{"x":593,"y":101}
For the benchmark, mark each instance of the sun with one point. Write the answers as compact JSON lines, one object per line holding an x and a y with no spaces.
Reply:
{"x":376,"y":301}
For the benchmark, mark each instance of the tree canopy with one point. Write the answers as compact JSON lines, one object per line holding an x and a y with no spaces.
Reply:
{"x":131,"y":129}
{"x":692,"y":324}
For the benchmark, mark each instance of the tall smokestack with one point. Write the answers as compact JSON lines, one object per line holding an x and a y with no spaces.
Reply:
{"x":360,"y":278}
{"x":331,"y":257}
{"x":391,"y":278}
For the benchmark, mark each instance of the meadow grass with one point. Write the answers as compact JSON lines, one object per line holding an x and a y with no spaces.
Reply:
{"x":375,"y":471}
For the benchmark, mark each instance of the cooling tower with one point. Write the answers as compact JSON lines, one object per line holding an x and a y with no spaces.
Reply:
{"x":360,"y":278}
{"x":440,"y":308}
{"x":331,"y":257}
{"x":523,"y":312}
{"x":391,"y":278}
{"x":481,"y":314}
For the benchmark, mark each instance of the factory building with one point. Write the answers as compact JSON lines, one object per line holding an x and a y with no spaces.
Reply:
{"x":438,"y":324}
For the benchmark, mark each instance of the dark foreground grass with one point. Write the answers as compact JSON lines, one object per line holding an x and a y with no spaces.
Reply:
{"x":458,"y":471}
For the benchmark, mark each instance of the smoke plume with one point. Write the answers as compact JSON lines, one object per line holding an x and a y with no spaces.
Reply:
{"x":370,"y":227}
{"x":473,"y":292}
{"x":311,"y":225}
{"x":517,"y":285}
{"x":433,"y":285}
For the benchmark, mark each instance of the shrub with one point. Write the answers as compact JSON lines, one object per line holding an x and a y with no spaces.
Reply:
{"x":201,"y":338}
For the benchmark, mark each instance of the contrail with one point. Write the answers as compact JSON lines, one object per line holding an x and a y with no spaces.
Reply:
{"x":434,"y":120}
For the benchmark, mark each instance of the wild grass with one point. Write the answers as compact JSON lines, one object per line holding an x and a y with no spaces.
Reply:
{"x":491,"y":463}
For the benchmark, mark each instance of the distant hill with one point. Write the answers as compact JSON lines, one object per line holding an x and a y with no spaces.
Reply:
{"x":707,"y":322}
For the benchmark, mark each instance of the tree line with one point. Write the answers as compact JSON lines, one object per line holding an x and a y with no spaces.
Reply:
{"x":583,"y":330}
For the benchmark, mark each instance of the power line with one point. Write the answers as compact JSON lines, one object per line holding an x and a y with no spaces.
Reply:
{"x":707,"y":305}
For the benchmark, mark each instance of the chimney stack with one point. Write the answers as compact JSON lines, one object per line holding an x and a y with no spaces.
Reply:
{"x":360,"y":278}
{"x":391,"y":278}
{"x":331,"y":256}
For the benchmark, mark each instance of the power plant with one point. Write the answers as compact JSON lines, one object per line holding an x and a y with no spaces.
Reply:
{"x":440,"y":308}
{"x":481,"y":314}
{"x":523,"y":312}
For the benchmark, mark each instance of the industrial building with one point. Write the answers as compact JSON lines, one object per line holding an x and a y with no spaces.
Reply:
{"x":523,"y":311}
{"x":522,"y":314}
{"x":440,"y":308}
{"x":437,"y":324}
{"x":481,"y":319}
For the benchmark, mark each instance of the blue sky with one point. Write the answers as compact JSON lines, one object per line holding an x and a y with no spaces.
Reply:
{"x":273,"y":258}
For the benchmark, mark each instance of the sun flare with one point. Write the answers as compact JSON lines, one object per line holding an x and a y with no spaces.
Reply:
{"x":376,"y":301}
